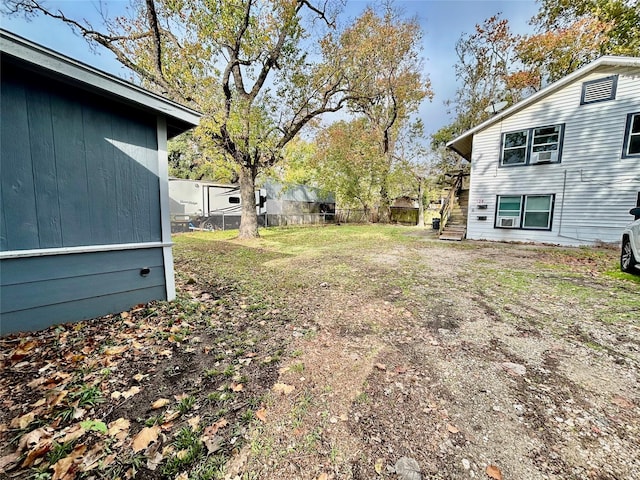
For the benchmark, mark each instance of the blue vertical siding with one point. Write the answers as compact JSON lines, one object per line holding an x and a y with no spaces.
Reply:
{"x":18,"y":194}
{"x":76,"y":170}
{"x":44,"y":170}
{"x":155,"y":217}
{"x":69,"y":156}
{"x":100,"y":154}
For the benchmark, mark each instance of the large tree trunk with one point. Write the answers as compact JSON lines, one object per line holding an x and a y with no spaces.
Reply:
{"x":249,"y":219}
{"x":420,"y":202}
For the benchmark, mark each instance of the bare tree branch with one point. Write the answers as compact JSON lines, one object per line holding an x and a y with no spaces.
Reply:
{"x":156,"y":44}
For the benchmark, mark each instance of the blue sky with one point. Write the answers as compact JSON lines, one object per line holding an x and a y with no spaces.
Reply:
{"x":442,"y":22}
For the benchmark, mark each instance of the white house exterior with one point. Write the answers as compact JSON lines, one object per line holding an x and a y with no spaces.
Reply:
{"x":562,"y":166}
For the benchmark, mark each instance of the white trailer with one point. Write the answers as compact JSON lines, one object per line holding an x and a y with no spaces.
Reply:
{"x":206,"y":205}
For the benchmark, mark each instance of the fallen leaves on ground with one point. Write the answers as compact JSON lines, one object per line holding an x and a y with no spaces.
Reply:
{"x":66,"y":468}
{"x":494,"y":472}
{"x":452,"y":428}
{"x":161,"y":402}
{"x":99,"y":395}
{"x":261,"y":414}
{"x":23,"y":422}
{"x":118,"y":426}
{"x":283,"y":388}
{"x":145,"y":437}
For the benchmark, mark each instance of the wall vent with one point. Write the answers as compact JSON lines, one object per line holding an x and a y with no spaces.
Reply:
{"x":599,"y":90}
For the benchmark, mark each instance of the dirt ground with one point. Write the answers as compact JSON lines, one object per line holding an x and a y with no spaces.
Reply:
{"x":467,"y":382}
{"x":402,"y":359}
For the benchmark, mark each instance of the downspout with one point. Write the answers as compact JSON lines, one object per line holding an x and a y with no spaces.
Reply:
{"x":564,"y":188}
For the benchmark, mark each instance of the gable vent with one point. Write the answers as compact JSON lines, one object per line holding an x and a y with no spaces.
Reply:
{"x":599,"y":90}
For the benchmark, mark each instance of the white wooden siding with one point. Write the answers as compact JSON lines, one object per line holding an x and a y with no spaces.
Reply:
{"x":594,"y":186}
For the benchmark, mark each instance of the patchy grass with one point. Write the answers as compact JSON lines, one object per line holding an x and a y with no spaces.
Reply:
{"x":354,"y":312}
{"x":617,"y":274}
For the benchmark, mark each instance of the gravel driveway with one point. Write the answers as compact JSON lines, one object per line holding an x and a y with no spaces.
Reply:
{"x":472,"y":360}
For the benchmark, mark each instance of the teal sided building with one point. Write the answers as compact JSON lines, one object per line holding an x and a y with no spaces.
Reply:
{"x":84,"y":209}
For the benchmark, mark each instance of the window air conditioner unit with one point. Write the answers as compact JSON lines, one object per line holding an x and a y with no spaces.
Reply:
{"x":548,"y":156}
{"x":508,"y":222}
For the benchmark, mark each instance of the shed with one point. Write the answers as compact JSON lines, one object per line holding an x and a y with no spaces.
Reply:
{"x":84,"y":207}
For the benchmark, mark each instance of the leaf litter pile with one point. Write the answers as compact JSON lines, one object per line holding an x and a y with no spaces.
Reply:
{"x":340,"y":353}
{"x":145,"y":394}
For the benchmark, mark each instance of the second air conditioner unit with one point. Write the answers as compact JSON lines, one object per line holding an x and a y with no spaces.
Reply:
{"x":546,"y":156}
{"x":509,"y":222}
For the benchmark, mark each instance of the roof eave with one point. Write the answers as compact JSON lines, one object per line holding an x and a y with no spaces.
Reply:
{"x":180,"y":118}
{"x":607,"y":60}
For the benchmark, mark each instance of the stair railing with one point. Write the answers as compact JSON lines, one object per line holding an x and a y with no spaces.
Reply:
{"x":445,"y":211}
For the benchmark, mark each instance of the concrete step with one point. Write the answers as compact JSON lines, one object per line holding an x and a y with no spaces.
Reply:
{"x":453,"y":238}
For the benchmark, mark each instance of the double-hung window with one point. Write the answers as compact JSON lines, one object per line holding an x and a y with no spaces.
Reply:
{"x":514,"y":149}
{"x":531,"y":146}
{"x":531,"y":212}
{"x":509,"y":209}
{"x":632,"y":136}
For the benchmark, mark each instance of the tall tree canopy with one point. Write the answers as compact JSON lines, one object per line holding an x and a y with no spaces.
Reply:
{"x":484,"y":60}
{"x":496,"y":65}
{"x":242,"y":63}
{"x":620,"y":19}
{"x":347,"y":161}
{"x":386,"y":83}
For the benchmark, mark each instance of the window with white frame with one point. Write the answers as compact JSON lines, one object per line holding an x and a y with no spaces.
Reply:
{"x":531,"y":212}
{"x":532,"y":146}
{"x":509,"y":208}
{"x":632,"y":136}
{"x":514,"y":148}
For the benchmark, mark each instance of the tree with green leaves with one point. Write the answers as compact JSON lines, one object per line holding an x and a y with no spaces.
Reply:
{"x":619,"y":19}
{"x":574,"y":33}
{"x":297,"y":167}
{"x":553,"y":54}
{"x":381,"y":56}
{"x":188,"y":158}
{"x":347,"y":161}
{"x":242,"y":63}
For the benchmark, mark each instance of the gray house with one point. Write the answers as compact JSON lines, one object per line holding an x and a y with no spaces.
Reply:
{"x":84,"y":208}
